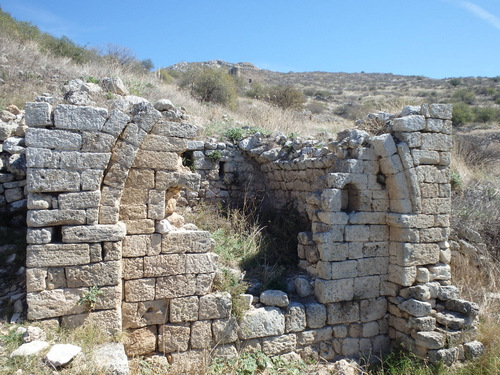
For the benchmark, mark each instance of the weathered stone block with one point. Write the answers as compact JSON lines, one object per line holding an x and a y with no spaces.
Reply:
{"x":372,"y":309}
{"x":145,"y":226}
{"x":201,"y":335}
{"x":94,"y":233}
{"x":404,"y":276}
{"x":314,"y":336}
{"x":75,"y":201}
{"x":200,"y":263}
{"x":108,"y":320}
{"x":39,"y":236}
{"x":140,"y":290}
{"x":52,"y":303}
{"x":115,"y":122}
{"x":274,"y":298}
{"x":184,"y":309}
{"x":225,"y":331}
{"x":356,"y":233}
{"x":415,"y":307}
{"x":411,"y":123}
{"x":333,"y":251}
{"x":295,"y":317}
{"x":174,"y":129}
{"x":328,"y":291}
{"x":262,"y":322}
{"x":430,"y":340}
{"x":54,"y":255}
{"x":52,"y":180}
{"x":140,"y":341}
{"x":38,"y":114}
{"x":79,"y":117}
{"x":187,"y":242}
{"x":384,"y":145}
{"x":315,"y":315}
{"x":280,"y":344}
{"x":157,"y":160}
{"x":35,"y":279}
{"x":409,"y":254}
{"x":96,"y":274}
{"x":176,"y":286}
{"x":173,"y":338}
{"x":140,"y":245}
{"x":215,"y":306}
{"x":165,"y":265}
{"x":133,"y":268}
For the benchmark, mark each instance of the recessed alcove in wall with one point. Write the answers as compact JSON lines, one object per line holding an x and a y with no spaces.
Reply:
{"x":351,"y":199}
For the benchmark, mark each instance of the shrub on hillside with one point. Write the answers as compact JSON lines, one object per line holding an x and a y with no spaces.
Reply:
{"x":462,"y":114}
{"x":257,"y":91}
{"x":211,"y":85}
{"x":286,"y":97}
{"x":464,"y":95}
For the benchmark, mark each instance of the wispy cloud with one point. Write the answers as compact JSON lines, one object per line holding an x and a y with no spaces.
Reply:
{"x":481,"y":13}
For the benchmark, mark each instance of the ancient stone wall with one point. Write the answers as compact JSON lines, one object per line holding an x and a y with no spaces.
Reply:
{"x":102,"y":192}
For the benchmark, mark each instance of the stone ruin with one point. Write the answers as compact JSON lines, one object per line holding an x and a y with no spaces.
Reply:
{"x":102,"y":188}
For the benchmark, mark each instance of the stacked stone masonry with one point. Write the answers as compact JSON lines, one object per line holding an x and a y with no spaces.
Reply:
{"x":102,"y":192}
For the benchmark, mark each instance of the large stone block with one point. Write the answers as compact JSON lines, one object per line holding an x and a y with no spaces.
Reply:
{"x":315,"y":335}
{"x":155,"y":142}
{"x":372,"y":309}
{"x":225,"y":331}
{"x":144,"y":226}
{"x":315,"y":315}
{"x":184,"y":309}
{"x":140,"y":290}
{"x":52,"y":180}
{"x":411,"y":254}
{"x":200,"y":263}
{"x":279,"y":345}
{"x":384,"y":145}
{"x":366,"y":287}
{"x":140,"y":245}
{"x":164,"y":265}
{"x":95,"y":274}
{"x":108,"y":320}
{"x":76,"y":201}
{"x":140,"y":341}
{"x":157,"y":160}
{"x":410,"y":220}
{"x":173,"y":338}
{"x":404,"y":276}
{"x":262,"y":322}
{"x":79,"y":117}
{"x":94,"y":233}
{"x":215,"y":306}
{"x":411,"y":123}
{"x":415,"y":307}
{"x":56,"y":255}
{"x":174,"y":129}
{"x":115,"y":122}
{"x":343,"y":312}
{"x":201,"y":335}
{"x":176,"y":286}
{"x":141,"y":314}
{"x":191,"y":241}
{"x":295,"y":317}
{"x":333,"y":251}
{"x":328,"y":291}
{"x":53,"y":303}
{"x":38,"y":114}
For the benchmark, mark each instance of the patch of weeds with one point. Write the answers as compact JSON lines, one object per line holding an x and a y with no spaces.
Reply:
{"x":110,"y":96}
{"x":456,"y":180}
{"x":400,"y":362}
{"x":228,"y":281}
{"x":215,"y":156}
{"x":234,"y":134}
{"x":139,"y":88}
{"x":90,"y":79}
{"x":90,"y":298}
{"x":256,"y":363}
{"x":12,"y":340}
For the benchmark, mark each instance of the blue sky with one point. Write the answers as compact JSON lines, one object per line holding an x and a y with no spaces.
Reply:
{"x":435,"y":38}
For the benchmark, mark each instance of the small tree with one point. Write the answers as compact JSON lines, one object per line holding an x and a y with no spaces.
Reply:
{"x":286,"y":97}
{"x":211,"y":85}
{"x":461,"y":114}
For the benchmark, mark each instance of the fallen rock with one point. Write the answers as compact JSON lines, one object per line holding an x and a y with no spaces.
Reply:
{"x":112,"y":359}
{"x":33,"y":333}
{"x":29,"y":348}
{"x":62,"y":354}
{"x":114,"y":85}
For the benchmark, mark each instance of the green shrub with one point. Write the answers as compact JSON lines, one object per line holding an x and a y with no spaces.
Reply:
{"x":234,"y":134}
{"x":463,"y":95}
{"x":485,"y":114}
{"x":316,"y":107}
{"x":257,"y":91}
{"x":462,"y":114}
{"x":165,"y":76}
{"x":211,"y":85}
{"x":455,"y":82}
{"x":215,"y":156}
{"x":286,"y":97}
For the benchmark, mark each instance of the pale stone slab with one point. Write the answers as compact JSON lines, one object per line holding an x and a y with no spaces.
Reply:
{"x":75,"y":201}
{"x":111,"y":358}
{"x":52,"y":303}
{"x":52,"y":180}
{"x":55,"y":255}
{"x":140,"y":290}
{"x":174,"y":129}
{"x":108,"y":320}
{"x":79,"y":117}
{"x":201,"y":263}
{"x":262,"y":322}
{"x":30,"y":348}
{"x":313,"y":336}
{"x":315,"y":315}
{"x":38,"y":114}
{"x":62,"y":354}
{"x":410,"y":123}
{"x":328,"y":291}
{"x":225,"y":331}
{"x":295,"y":317}
{"x":176,"y":286}
{"x":343,"y":312}
{"x":274,"y":298}
{"x":415,"y":307}
{"x":140,"y":341}
{"x":201,"y":335}
{"x":115,"y":122}
{"x":161,"y":143}
{"x":94,"y":233}
{"x":187,"y":242}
